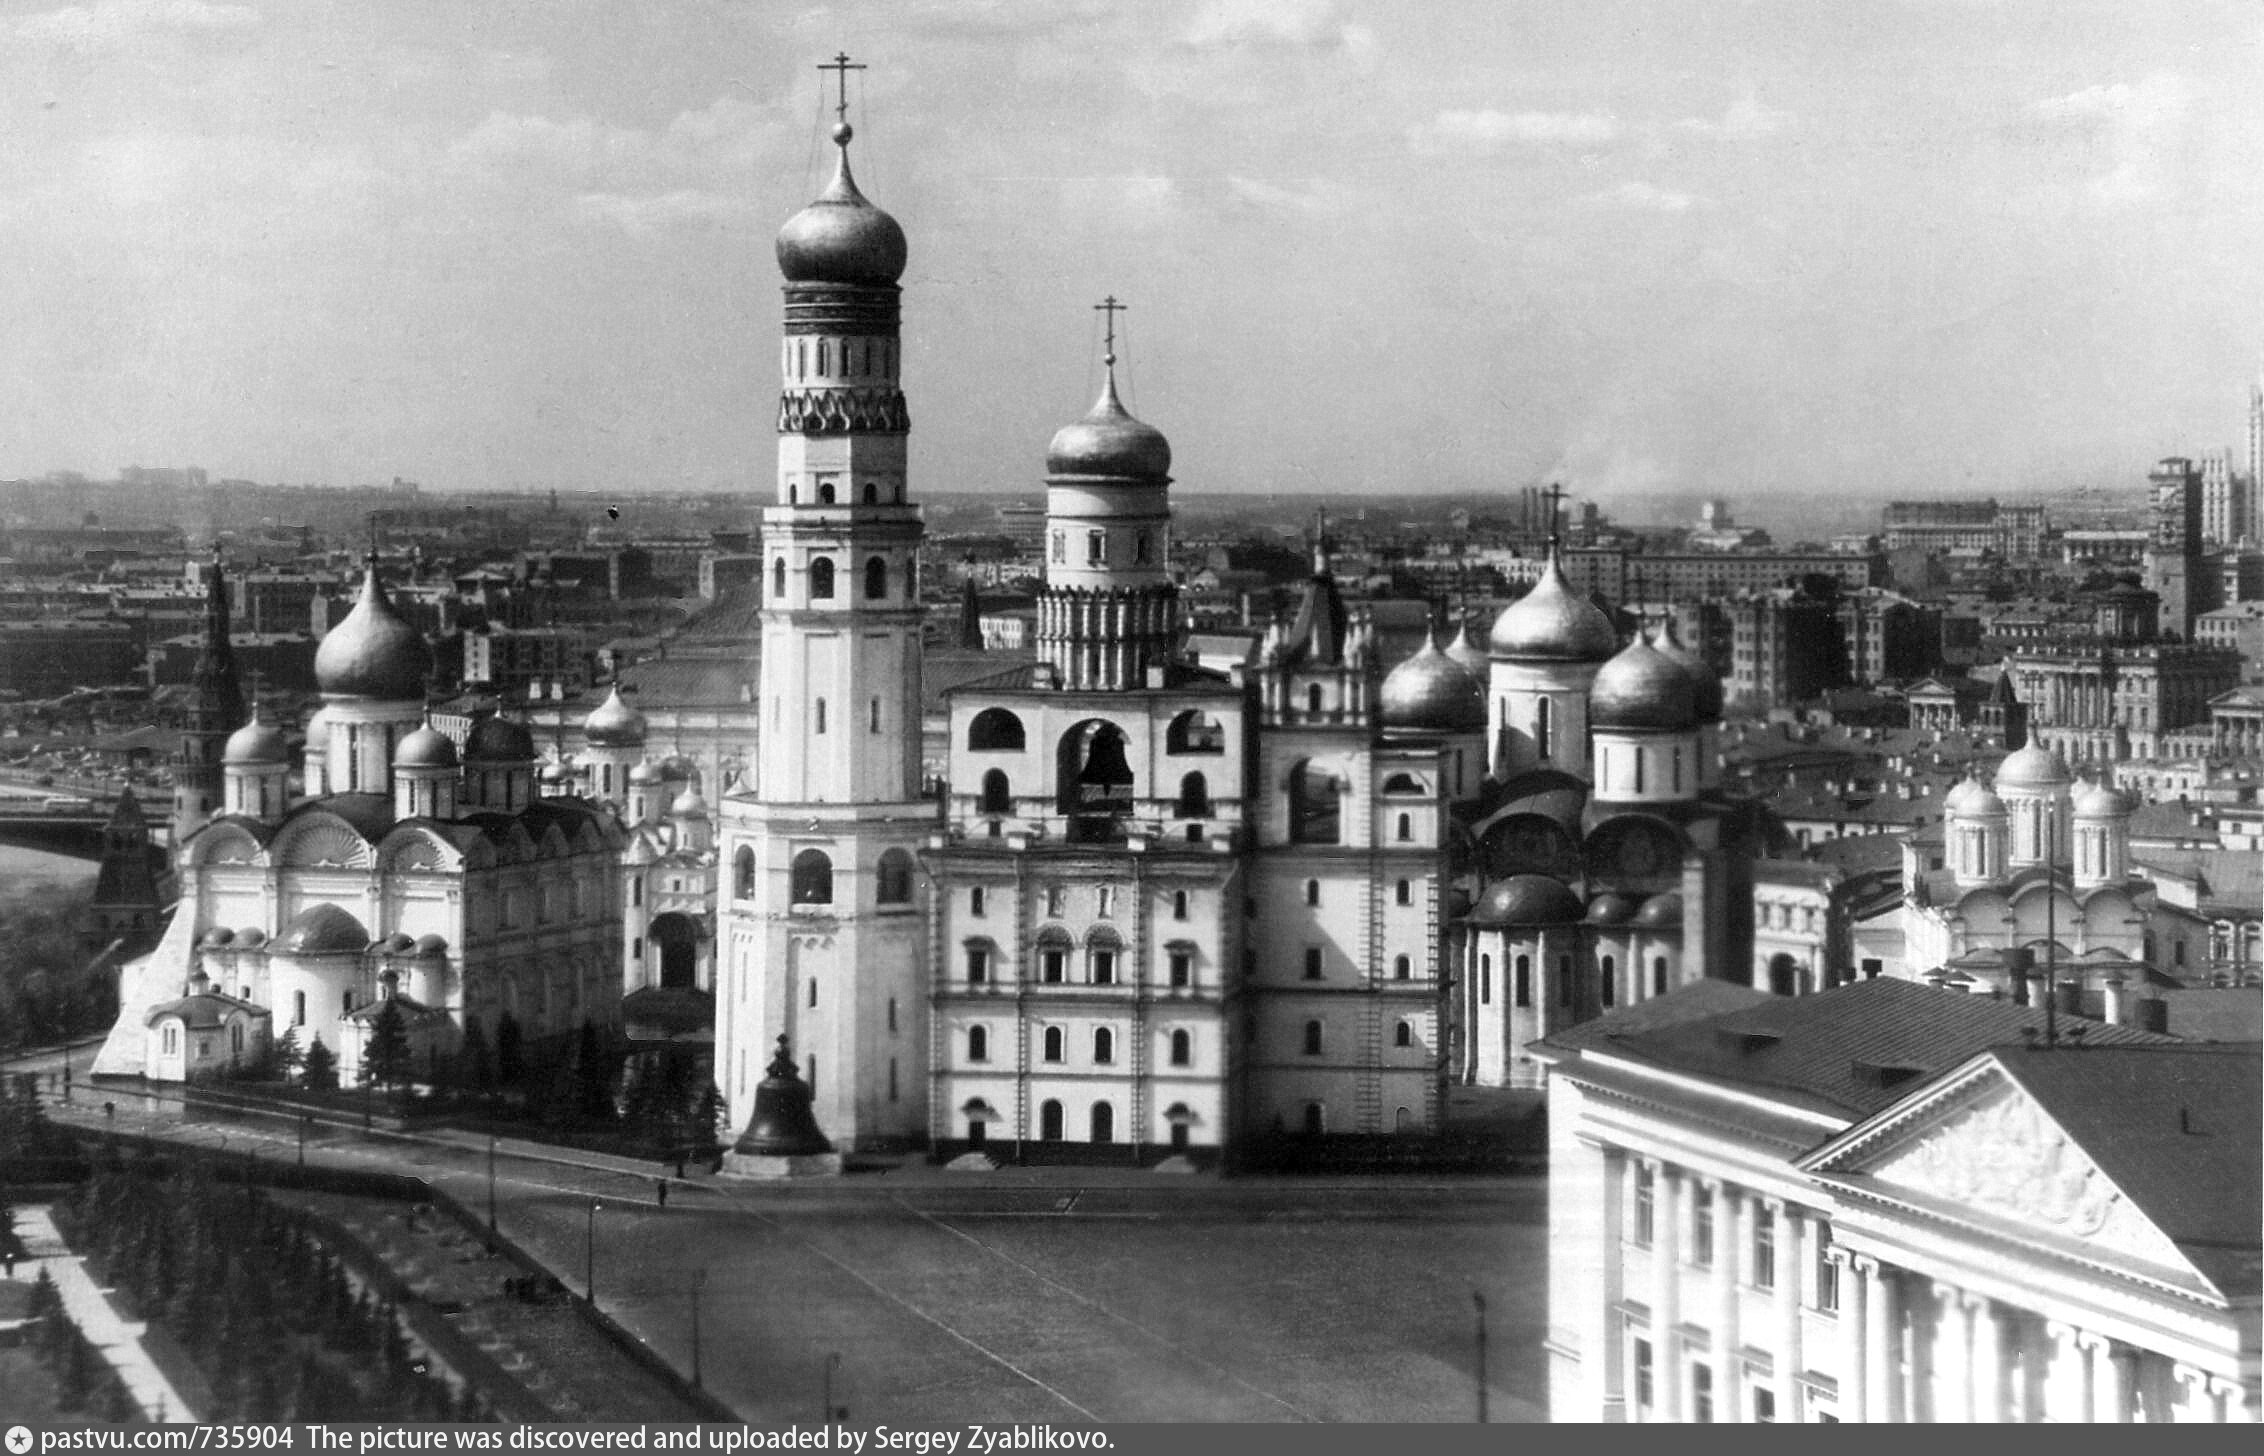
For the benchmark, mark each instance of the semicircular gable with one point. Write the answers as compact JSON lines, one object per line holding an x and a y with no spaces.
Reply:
{"x":553,"y":844}
{"x":1635,"y":848}
{"x":226,"y":842}
{"x":320,"y":841}
{"x":413,"y":847}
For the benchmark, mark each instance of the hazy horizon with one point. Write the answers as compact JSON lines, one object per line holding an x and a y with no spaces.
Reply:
{"x":1761,"y":251}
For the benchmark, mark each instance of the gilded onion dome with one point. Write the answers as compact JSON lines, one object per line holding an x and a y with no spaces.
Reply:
{"x":1643,"y":688}
{"x":257,"y":742}
{"x":1707,"y":687}
{"x":688,"y":805}
{"x":1660,"y":912}
{"x":1109,"y":442}
{"x":373,"y":653}
{"x":428,"y":747}
{"x":2033,"y":767}
{"x":1553,"y":622}
{"x":614,"y":724}
{"x":1431,"y":692}
{"x":1468,"y":654}
{"x":647,"y":772}
{"x":841,"y":238}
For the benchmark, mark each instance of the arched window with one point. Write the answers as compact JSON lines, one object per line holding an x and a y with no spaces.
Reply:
{"x":821,"y":579}
{"x":1406,"y":828}
{"x":1049,"y":1121}
{"x":1179,"y":904}
{"x":1182,"y":1049}
{"x":1544,"y":727}
{"x":1194,"y":798}
{"x":872,"y":498}
{"x":1095,"y":774}
{"x":1313,"y":805}
{"x":1312,"y":892}
{"x":1402,"y":969}
{"x":1053,"y":956}
{"x":876,"y":576}
{"x":812,"y":878}
{"x":743,"y":874}
{"x":1608,"y":971}
{"x":1053,"y":1044}
{"x":1404,"y":892}
{"x":1523,"y":994}
{"x":1400,"y":783}
{"x":978,"y":1043}
{"x":1104,"y":1123}
{"x":895,"y":878}
{"x":1104,"y":1045}
{"x":1658,"y":975}
{"x":995,"y":730}
{"x":1316,"y":1119}
{"x":825,"y":494}
{"x":1312,"y":1038}
{"x":1313,"y":698}
{"x":998,"y":797}
{"x":1485,"y":980}
{"x":778,"y":580}
{"x":1195,"y":731}
{"x":1403,"y":1035}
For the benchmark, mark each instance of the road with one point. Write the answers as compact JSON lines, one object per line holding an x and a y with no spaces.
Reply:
{"x":926,"y":1297}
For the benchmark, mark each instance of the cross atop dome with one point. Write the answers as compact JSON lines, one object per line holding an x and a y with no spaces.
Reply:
{"x":841,"y":66}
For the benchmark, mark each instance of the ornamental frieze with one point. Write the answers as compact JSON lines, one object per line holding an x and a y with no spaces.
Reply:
{"x":842,"y":412}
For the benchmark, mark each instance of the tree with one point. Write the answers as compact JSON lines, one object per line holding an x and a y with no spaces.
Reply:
{"x":321,"y":1072}
{"x":285,"y":1054}
{"x":594,"y":1068}
{"x":510,"y":1053}
{"x":475,"y":1068}
{"x":385,"y":1056}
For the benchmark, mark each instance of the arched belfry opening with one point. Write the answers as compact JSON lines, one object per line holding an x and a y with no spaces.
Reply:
{"x":1095,"y":774}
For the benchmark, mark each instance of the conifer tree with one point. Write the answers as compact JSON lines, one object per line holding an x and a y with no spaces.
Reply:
{"x":321,"y":1067}
{"x":385,"y":1056}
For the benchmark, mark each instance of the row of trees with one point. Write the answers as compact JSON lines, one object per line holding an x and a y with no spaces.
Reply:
{"x":277,"y":1325}
{"x":47,"y":991}
{"x":83,"y":1380}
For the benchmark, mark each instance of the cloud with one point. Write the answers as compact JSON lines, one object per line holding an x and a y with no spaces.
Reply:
{"x":1134,"y":200}
{"x":1288,"y":24}
{"x":1645,"y":197}
{"x":110,"y":23}
{"x":1746,"y":119}
{"x":1492,"y":131}
{"x":2135,"y":133}
{"x":643,"y":216}
{"x":1315,"y":198}
{"x":722,"y":138}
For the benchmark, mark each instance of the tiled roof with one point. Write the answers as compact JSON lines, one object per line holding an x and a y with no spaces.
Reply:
{"x":1694,"y":1002}
{"x":2177,"y":1129}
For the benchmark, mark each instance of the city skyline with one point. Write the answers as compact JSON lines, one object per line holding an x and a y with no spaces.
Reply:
{"x":1733,"y":252}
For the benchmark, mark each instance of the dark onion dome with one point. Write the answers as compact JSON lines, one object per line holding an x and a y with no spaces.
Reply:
{"x":1469,"y":655}
{"x":1643,"y":688}
{"x":1611,"y":909}
{"x":1432,"y":693}
{"x":1553,"y":622}
{"x":1109,"y":442}
{"x":647,"y":772}
{"x":2033,"y":767}
{"x":499,"y":740}
{"x":1661,"y":912}
{"x":373,"y":653}
{"x":428,"y":747}
{"x":257,"y":742}
{"x":614,"y":724}
{"x":842,"y":238}
{"x":1707,"y":687}
{"x":219,"y":935}
{"x":1527,"y":900}
{"x":1972,"y":799}
{"x":321,"y":930}
{"x":399,"y":941}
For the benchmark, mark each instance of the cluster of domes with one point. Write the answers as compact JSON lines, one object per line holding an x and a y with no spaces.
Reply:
{"x":373,"y":653}
{"x":1552,"y":622}
{"x":614,"y":724}
{"x":1109,"y":442}
{"x":1527,"y":900}
{"x":1643,"y":688}
{"x":841,"y":238}
{"x":1431,"y":692}
{"x":1972,"y":799}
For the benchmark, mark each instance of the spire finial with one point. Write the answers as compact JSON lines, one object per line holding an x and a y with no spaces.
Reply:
{"x":1321,"y":542}
{"x":1109,"y":308}
{"x":1555,"y":497}
{"x":841,"y":66}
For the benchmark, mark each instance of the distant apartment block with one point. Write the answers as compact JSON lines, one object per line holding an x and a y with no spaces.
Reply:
{"x":1946,"y":526}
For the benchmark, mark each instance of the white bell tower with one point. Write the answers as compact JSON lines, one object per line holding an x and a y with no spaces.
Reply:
{"x":822,"y":908}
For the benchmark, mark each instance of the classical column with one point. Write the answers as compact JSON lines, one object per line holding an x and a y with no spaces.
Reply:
{"x":2113,"y":1368}
{"x":2231,"y":1401}
{"x":1985,"y":1388}
{"x":1882,"y":1339}
{"x":1729,"y":1242}
{"x":1949,"y":1364}
{"x":2067,"y":1388}
{"x":1854,"y":1333}
{"x":1603,"y":1340}
{"x":1792,"y":1267}
{"x":1666,"y":1304}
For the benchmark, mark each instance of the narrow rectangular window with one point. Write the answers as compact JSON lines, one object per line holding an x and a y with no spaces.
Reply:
{"x":1406,"y":892}
{"x":978,"y":966}
{"x":1646,"y":1200}
{"x":1312,"y":963}
{"x":1764,"y":1248}
{"x":1182,"y":969}
{"x":975,"y":903}
{"x":1702,"y":1226}
{"x":875,"y":720}
{"x":1702,"y":1393}
{"x":1104,"y":901}
{"x":1643,"y":1374}
{"x":1827,"y":1271}
{"x":1764,"y":1405}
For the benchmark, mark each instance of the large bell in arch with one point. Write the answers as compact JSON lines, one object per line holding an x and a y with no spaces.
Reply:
{"x":783,"y":1125}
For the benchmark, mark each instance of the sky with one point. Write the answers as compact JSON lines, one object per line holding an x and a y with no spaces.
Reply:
{"x":1736,"y":248}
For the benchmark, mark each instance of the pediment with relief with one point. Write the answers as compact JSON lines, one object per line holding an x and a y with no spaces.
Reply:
{"x":2001,"y":1155}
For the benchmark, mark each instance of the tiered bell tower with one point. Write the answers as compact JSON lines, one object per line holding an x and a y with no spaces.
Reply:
{"x":822,"y":919}
{"x":215,"y":710}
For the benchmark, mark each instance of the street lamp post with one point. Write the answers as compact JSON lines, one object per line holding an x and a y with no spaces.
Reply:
{"x":589,"y":1257}
{"x":1479,"y":1300}
{"x":699,"y":1277}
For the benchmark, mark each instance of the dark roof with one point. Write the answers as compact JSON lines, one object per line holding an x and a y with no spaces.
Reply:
{"x":1853,"y":1049}
{"x":946,"y":670}
{"x":1694,"y":1002}
{"x":322,"y":929}
{"x":203,"y":1011}
{"x":2178,"y":1130}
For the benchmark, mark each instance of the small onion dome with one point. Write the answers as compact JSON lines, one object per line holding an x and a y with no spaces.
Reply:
{"x":499,"y":740}
{"x":257,"y":742}
{"x":372,"y":653}
{"x":840,"y":237}
{"x":218,"y":936}
{"x":1553,"y":622}
{"x":1611,"y":909}
{"x":432,"y":945}
{"x":1643,"y":688}
{"x":428,"y":747}
{"x":614,"y":724}
{"x":1431,"y":692}
{"x":1661,"y":912}
{"x":399,"y":941}
{"x":554,"y":773}
{"x":1527,"y":900}
{"x":318,"y":729}
{"x":688,"y":805}
{"x":1109,"y":442}
{"x":251,"y":937}
{"x":2097,"y":801}
{"x":1972,"y":799}
{"x":1468,"y":655}
{"x":2033,"y":767}
{"x":1707,"y":687}
{"x":320,"y":930}
{"x":647,"y":772}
